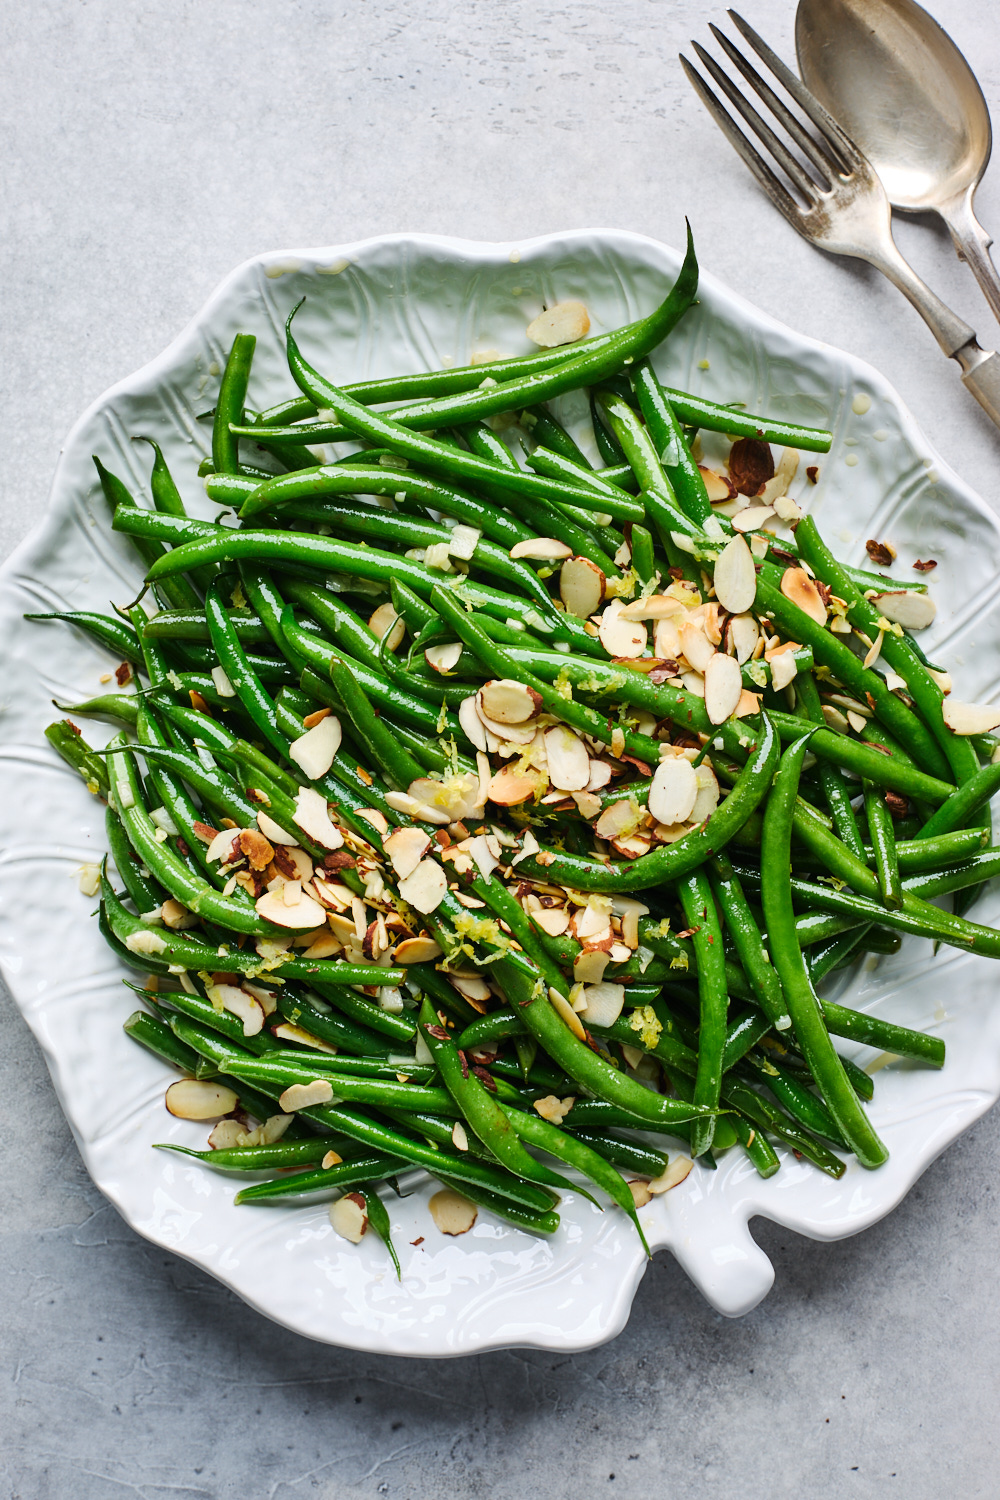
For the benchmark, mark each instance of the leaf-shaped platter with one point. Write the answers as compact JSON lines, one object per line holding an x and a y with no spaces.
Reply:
{"x":406,"y":303}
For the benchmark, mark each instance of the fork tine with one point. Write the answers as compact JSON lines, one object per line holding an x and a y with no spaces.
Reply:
{"x":775,"y":190}
{"x":759,"y":126}
{"x":805,"y":142}
{"x":827,"y":126}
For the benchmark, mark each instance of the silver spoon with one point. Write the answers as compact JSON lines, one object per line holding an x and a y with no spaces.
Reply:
{"x":902,"y":90}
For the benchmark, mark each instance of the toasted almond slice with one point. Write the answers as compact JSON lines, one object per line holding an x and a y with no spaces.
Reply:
{"x":510,"y":787}
{"x":199,"y":1099}
{"x":589,"y":966}
{"x":227,"y":1134}
{"x":473,"y":725}
{"x":425,"y":888}
{"x":506,"y":701}
{"x":300,"y":861}
{"x":221,"y":845}
{"x":620,"y":818}
{"x":472,"y":986}
{"x":621,"y":638}
{"x":633,"y":846}
{"x":656,"y":607}
{"x":268,"y":1003}
{"x":666,"y":641}
{"x":380,"y":621}
{"x":742,"y":634}
{"x":911,"y":610}
{"x":554,"y":1109}
{"x":457,"y":796}
{"x":566,"y":1013}
{"x":289,"y":1033}
{"x":834,"y":719}
{"x":416,"y":950}
{"x":562,"y":323}
{"x":719,"y":486}
{"x":402,"y":802}
{"x":777,"y":486}
{"x":943,"y":680}
{"x":735,"y":578}
{"x":306,"y":1095}
{"x":672,"y":1177}
{"x":331,"y":893}
{"x":331,"y":1159}
{"x":970,"y":718}
{"x":707,"y":799}
{"x":600,"y":775}
{"x":452,"y":1213}
{"x":349,"y":1217}
{"x":581,"y":586}
{"x":238,"y":1003}
{"x":592,"y":921}
{"x":444,"y":658}
{"x":505,"y":735}
{"x":552,"y":919}
{"x":674,"y":788}
{"x":752,"y":517}
{"x":797,"y":586}
{"x":857,"y":722}
{"x":312,"y":815}
{"x":302,"y":917}
{"x":783,"y":670}
{"x":568,"y":761}
{"x":541,"y":549}
{"x":176,"y":916}
{"x":406,"y":847}
{"x":324,"y":945}
{"x":272,"y":831}
{"x":604,"y":1003}
{"x":314,"y":751}
{"x":695,"y":645}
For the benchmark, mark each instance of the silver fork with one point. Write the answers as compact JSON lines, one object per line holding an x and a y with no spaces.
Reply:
{"x":844,"y":208}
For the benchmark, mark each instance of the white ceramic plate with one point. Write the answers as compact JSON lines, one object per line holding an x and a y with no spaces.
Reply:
{"x":411,"y":302}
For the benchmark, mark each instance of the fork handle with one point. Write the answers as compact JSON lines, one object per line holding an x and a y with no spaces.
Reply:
{"x":973,"y":243}
{"x":951,"y":332}
{"x":983,"y":380}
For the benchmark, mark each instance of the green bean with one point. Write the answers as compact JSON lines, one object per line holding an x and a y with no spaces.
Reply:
{"x":243,"y":1159}
{"x":796,"y":1100}
{"x":323,"y":1182}
{"x":680,"y":469}
{"x":884,"y":846}
{"x":335,"y":1030}
{"x":696,"y":897}
{"x":114,"y":634}
{"x":974,"y":793}
{"x":749,"y":944}
{"x":807,"y":1018}
{"x":229,"y":408}
{"x":621,"y":1153}
{"x":123,"y":707}
{"x":606,"y":499}
{"x":177,"y":591}
{"x":835,"y":787}
{"x":153,"y":1034}
{"x":67,"y":741}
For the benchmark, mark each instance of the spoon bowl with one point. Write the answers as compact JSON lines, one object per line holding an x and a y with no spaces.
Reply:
{"x":903,"y":91}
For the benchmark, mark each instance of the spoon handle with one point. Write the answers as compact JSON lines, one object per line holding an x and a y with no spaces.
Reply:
{"x":973,"y":244}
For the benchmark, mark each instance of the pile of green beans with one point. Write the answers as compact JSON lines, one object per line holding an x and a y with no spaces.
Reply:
{"x":500,"y":878}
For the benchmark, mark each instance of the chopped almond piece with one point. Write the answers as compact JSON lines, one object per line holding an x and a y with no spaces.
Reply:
{"x":306,"y":1095}
{"x":797,"y":586}
{"x":541,"y":549}
{"x":563,"y":323}
{"x":256,"y":847}
{"x":384,"y":617}
{"x":314,"y":751}
{"x":349,"y":1217}
{"x":554,"y":1110}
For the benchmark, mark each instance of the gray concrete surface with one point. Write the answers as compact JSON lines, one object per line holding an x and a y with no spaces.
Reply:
{"x":146,"y":149}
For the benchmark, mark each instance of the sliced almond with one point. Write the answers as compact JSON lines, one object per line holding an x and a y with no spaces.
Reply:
{"x":707,"y":799}
{"x":752,"y":517}
{"x":175,"y":916}
{"x":302,"y":917}
{"x":777,"y":486}
{"x":273,"y":831}
{"x":416,"y":950}
{"x":600,"y":775}
{"x":472,"y":724}
{"x":751,"y":465}
{"x":553,"y":919}
{"x":589,"y":967}
{"x":797,"y":586}
{"x":604,"y":1003}
{"x":674,"y":787}
{"x":621,"y":637}
{"x":314,"y":751}
{"x":970,"y":718}
{"x":299,"y":861}
{"x":312,"y":815}
{"x":541,"y":549}
{"x":509,"y":787}
{"x":565,"y":1011}
{"x":554,"y":1109}
{"x":463,"y":541}
{"x":227,"y":1134}
{"x":563,"y":323}
{"x":834,"y":719}
{"x":640,"y":1192}
{"x":221,"y":845}
{"x":581,"y":586}
{"x":507,"y":701}
{"x":568,"y":761}
{"x":672,"y":1177}
{"x":911,"y":610}
{"x":199,"y":1099}
{"x":425,"y":888}
{"x":697,"y":648}
{"x":238,"y":1003}
{"x":406,"y":848}
{"x":621,"y":818}
{"x":444,"y":658}
{"x":349,"y":1217}
{"x":735,"y":579}
{"x":656,"y":607}
{"x":748,"y":705}
{"x":384,"y":617}
{"x":452,"y":1213}
{"x":472,"y":986}
{"x":324,"y":945}
{"x":742,"y":634}
{"x":306,"y":1095}
{"x":783,"y":670}
{"x":719,"y":486}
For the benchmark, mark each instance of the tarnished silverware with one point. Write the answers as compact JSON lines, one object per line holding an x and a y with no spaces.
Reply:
{"x":830,"y":193}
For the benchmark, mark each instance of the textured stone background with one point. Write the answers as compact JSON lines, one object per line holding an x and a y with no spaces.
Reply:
{"x":146,"y":150}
